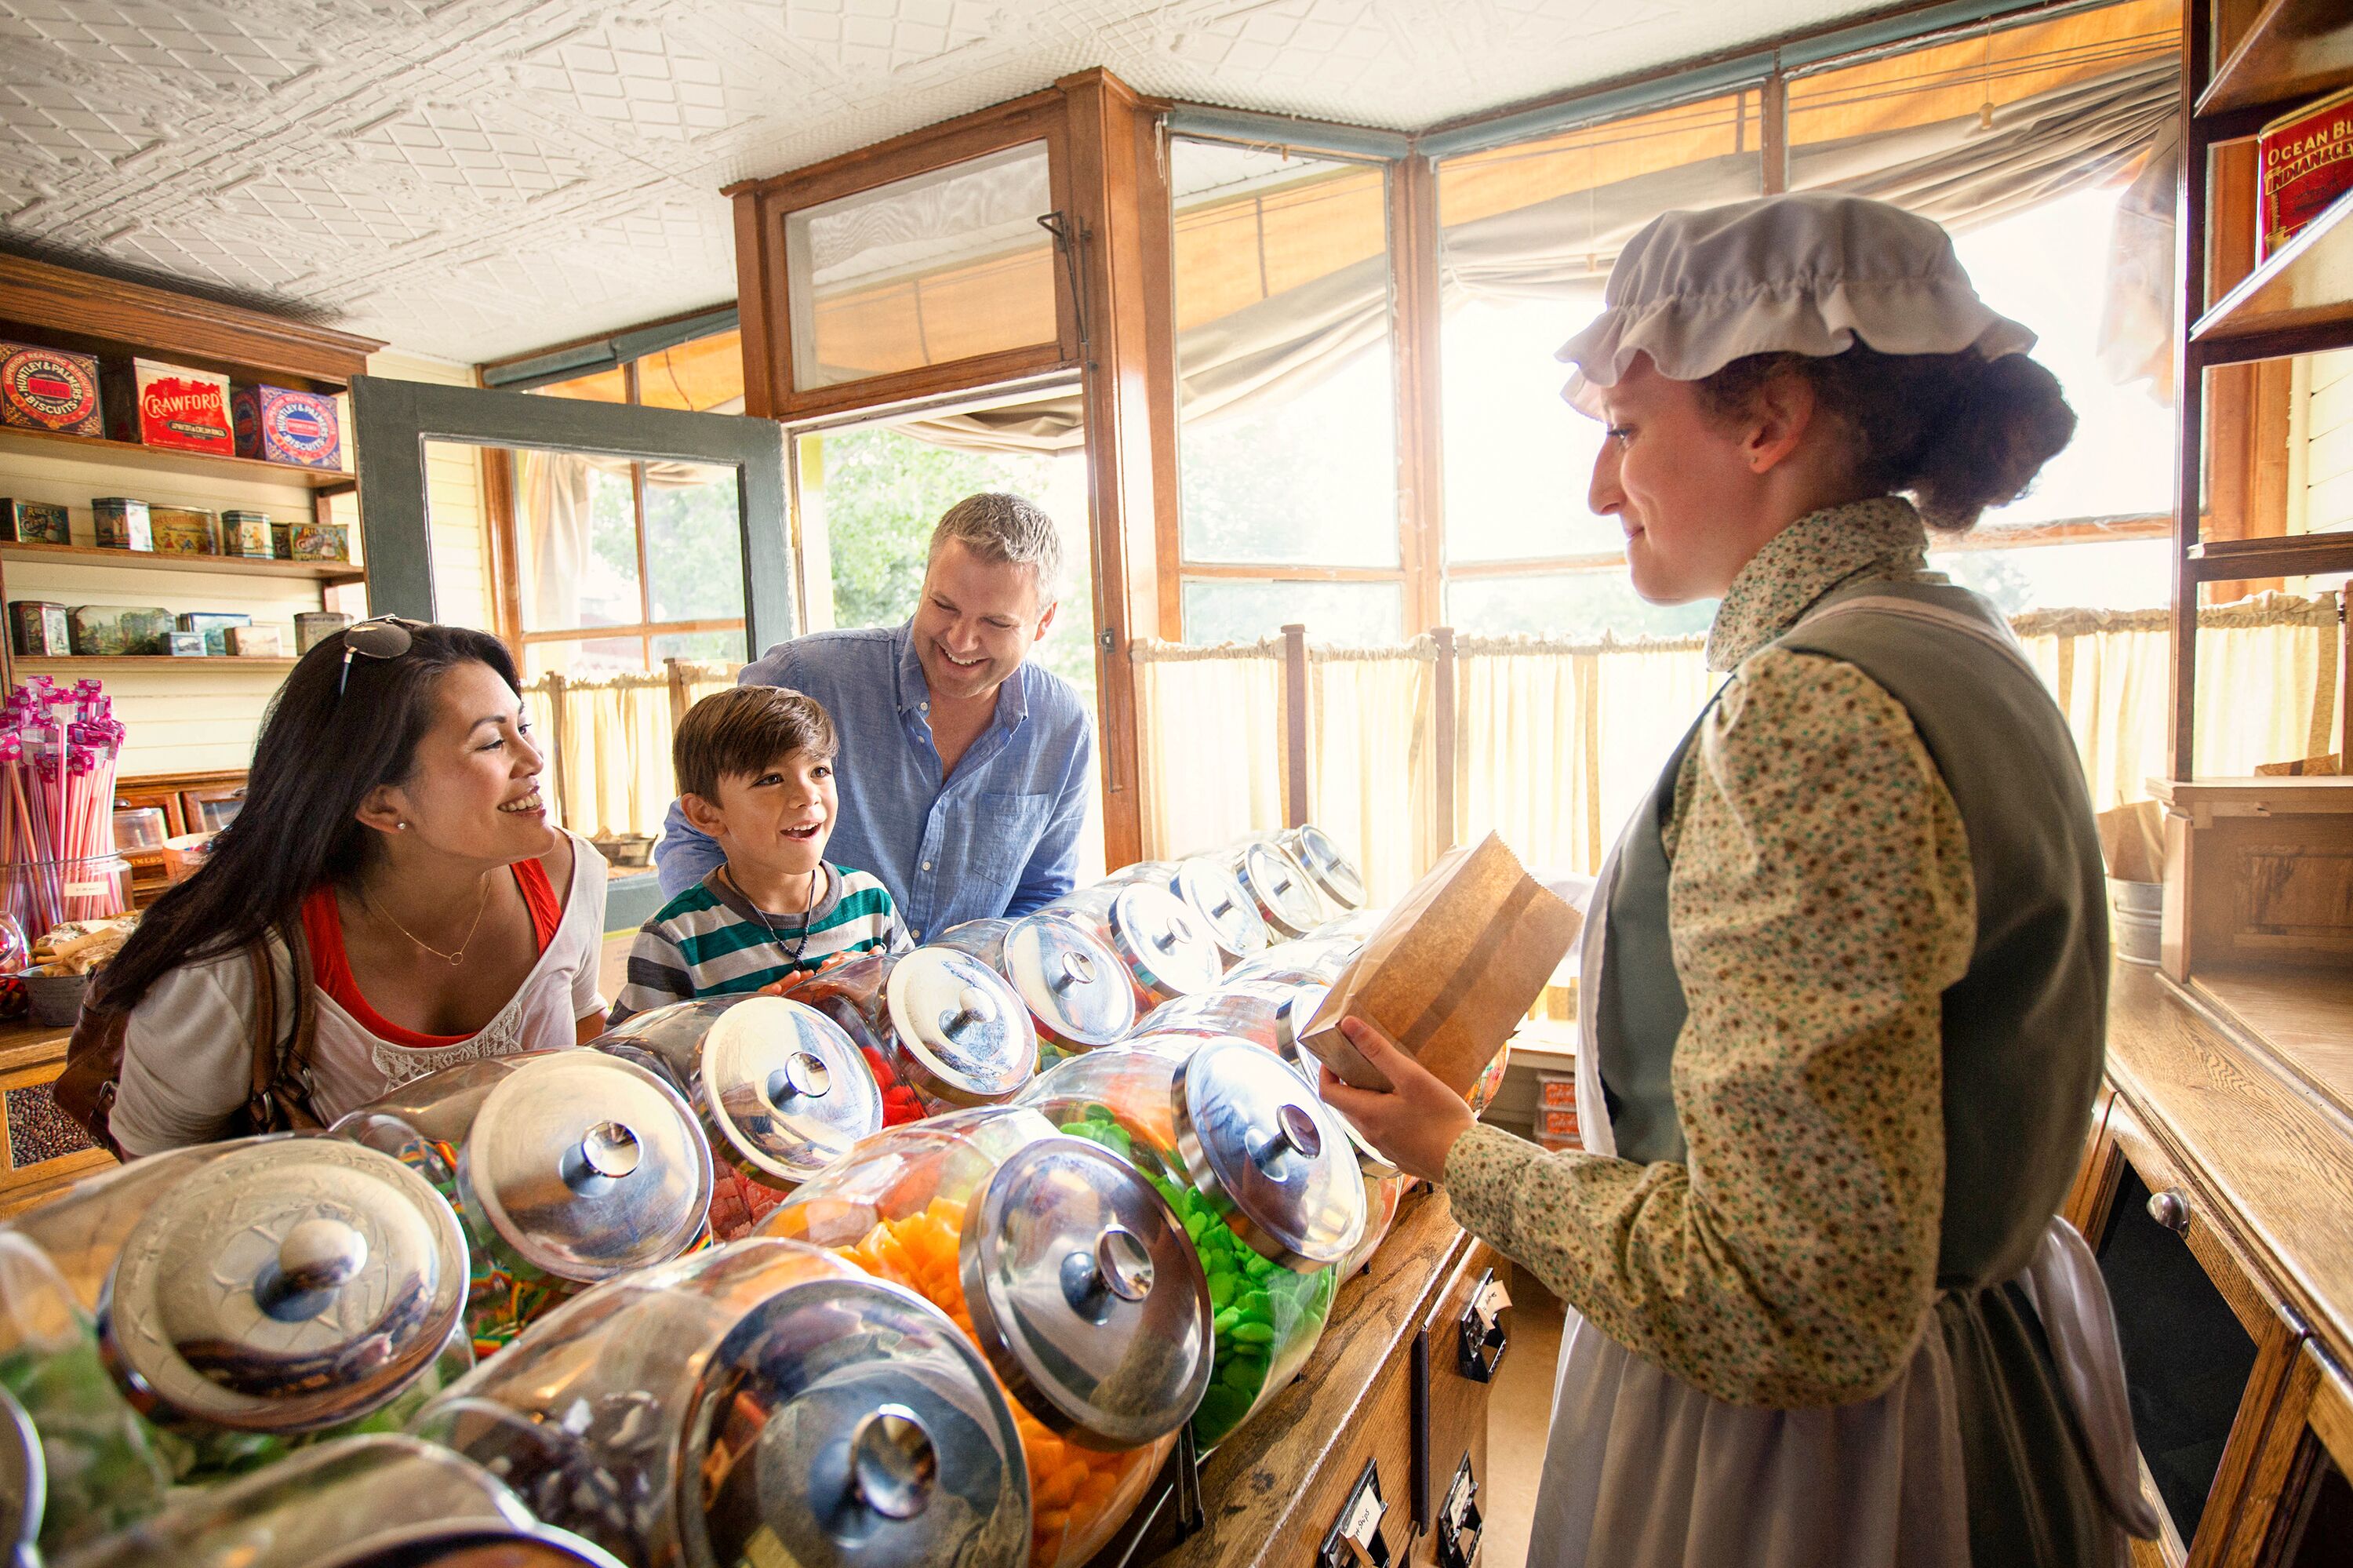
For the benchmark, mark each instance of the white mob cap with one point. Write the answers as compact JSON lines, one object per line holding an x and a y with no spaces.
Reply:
{"x":1809,"y":274}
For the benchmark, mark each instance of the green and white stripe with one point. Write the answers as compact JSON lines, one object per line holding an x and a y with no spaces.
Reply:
{"x":708,"y":941}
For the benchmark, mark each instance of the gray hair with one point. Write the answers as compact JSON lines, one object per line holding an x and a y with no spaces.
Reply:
{"x":999,"y":527}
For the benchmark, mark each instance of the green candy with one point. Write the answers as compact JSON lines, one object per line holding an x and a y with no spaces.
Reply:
{"x":1253,"y":1333}
{"x":1227,"y":1322}
{"x":1221,"y":1290}
{"x":1256,"y":1304}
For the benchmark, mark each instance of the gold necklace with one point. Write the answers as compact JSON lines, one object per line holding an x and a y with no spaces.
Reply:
{"x":452,"y":960}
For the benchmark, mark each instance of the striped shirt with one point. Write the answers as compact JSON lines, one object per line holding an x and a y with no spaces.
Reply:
{"x":711,"y":941}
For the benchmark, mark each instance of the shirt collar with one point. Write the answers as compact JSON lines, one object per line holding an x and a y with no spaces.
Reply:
{"x":1882,"y":537}
{"x":914,"y":691}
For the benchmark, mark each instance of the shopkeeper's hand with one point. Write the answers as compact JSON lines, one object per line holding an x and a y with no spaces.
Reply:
{"x":1415,"y":1122}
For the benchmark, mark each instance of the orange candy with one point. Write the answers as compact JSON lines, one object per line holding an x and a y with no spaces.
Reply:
{"x":1070,"y":1487}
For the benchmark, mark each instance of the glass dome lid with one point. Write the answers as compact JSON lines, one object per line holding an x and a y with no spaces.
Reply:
{"x":849,"y":1423}
{"x":286,"y":1286}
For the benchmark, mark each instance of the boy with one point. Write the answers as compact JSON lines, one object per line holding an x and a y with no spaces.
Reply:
{"x":755,"y":772}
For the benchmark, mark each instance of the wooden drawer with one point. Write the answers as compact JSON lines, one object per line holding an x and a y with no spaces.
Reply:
{"x":1456,"y":1356}
{"x":41,"y":1153}
{"x":1376,"y":1449}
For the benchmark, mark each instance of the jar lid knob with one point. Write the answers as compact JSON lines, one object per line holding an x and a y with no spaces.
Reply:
{"x":607,"y":1149}
{"x":803,"y":1075}
{"x":1294,"y":1131}
{"x":1119,"y":1264}
{"x":317,"y":1257}
{"x":893,"y":1462}
{"x":974,"y":1008}
{"x":1077,"y":970}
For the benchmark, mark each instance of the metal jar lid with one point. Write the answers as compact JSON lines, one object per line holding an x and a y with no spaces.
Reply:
{"x":983,"y":940}
{"x":1212,"y":891}
{"x":785,"y":1089}
{"x":1285,"y":897}
{"x":587,"y":1165}
{"x":1268,"y":1153}
{"x":1087,"y":1295}
{"x":963,"y":1036}
{"x":1311,"y":960}
{"x":291,"y":1285}
{"x":849,"y":1423}
{"x":1167,"y":949}
{"x":1335,"y":877}
{"x":1077,"y":989}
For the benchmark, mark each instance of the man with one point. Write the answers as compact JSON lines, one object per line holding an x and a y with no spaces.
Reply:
{"x":964,"y":769}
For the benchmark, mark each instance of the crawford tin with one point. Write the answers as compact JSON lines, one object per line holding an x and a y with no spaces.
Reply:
{"x":161,"y":405}
{"x":2304,"y":162}
{"x":122,"y":523}
{"x":34,"y":523}
{"x":49,"y":389}
{"x":278,"y":424}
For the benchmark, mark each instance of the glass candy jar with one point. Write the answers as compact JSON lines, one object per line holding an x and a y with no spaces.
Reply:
{"x":1165,"y":949}
{"x":1287,"y":901}
{"x":1327,"y":866}
{"x":1067,"y":1270}
{"x":763,"y":1403}
{"x":944,"y":1025}
{"x":1259,"y":1174}
{"x":1078,"y":992}
{"x":567,"y":1167}
{"x":780,"y":1089}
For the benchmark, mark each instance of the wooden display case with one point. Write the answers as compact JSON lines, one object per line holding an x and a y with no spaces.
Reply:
{"x":2258,"y":874}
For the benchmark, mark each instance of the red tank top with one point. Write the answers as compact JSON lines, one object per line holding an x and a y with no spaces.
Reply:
{"x":331,"y":968}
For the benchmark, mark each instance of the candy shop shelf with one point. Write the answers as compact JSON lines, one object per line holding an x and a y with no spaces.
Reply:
{"x":2305,"y":290}
{"x":98,"y":663}
{"x":25,"y":1045}
{"x":329,"y":573}
{"x":2294,"y":49}
{"x":162,"y":460}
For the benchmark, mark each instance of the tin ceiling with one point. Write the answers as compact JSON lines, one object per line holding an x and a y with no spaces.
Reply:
{"x":473,"y":178}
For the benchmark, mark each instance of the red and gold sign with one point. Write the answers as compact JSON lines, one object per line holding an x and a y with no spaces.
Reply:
{"x":2304,"y":162}
{"x":49,"y":389}
{"x":169,"y":406}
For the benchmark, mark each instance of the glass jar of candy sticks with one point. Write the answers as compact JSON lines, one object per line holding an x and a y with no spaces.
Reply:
{"x":59,"y":750}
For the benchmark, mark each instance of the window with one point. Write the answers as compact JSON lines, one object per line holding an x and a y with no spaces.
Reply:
{"x":1287,"y":393}
{"x":620,"y":564}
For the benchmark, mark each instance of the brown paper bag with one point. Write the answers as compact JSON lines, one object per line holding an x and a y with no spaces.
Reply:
{"x":1452,"y":969}
{"x":2132,"y":842}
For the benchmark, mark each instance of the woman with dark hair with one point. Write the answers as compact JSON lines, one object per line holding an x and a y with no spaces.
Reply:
{"x":394,"y":874}
{"x":1845,"y":974}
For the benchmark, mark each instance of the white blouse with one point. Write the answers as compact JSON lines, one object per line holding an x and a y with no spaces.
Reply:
{"x":188,"y":1048}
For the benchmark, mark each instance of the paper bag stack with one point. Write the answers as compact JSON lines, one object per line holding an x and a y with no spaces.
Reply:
{"x":1451,"y":970}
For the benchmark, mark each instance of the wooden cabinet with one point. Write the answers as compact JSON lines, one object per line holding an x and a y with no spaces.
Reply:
{"x":41,"y":1153}
{"x":1463,"y":1346}
{"x":211,"y":807}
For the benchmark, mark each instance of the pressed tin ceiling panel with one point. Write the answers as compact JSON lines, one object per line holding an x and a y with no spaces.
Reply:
{"x":476,"y":177}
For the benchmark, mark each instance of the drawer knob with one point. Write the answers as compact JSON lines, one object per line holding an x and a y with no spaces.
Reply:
{"x":1484,"y":1336}
{"x":2170,"y":1209}
{"x":1354,"y":1538}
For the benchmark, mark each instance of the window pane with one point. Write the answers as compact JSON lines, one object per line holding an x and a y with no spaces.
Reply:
{"x":1362,"y":614}
{"x":925,"y":270}
{"x":1574,"y":607}
{"x":704,"y":376}
{"x":605,"y":386}
{"x":1528,"y":234}
{"x":694,"y":541}
{"x":2124,"y":574}
{"x":576,"y":533}
{"x":716,"y":646}
{"x":590,"y":657}
{"x":1288,"y":440}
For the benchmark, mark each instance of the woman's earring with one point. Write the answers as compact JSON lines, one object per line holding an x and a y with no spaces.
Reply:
{"x":402,"y":826}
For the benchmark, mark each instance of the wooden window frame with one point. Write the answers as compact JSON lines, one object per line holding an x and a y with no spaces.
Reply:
{"x":763,"y":205}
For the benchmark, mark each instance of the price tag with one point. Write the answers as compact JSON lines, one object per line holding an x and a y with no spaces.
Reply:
{"x":1493,"y":1301}
{"x":88,"y":889}
{"x":1364,"y":1515}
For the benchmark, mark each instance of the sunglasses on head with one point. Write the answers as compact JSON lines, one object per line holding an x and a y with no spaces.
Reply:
{"x":380,"y":637}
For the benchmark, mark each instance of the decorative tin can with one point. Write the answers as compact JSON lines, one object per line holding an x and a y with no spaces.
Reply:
{"x":312,"y":627}
{"x":2304,"y":162}
{"x":280,"y":425}
{"x":168,"y":406}
{"x":311,"y":541}
{"x":183,"y":530}
{"x":212,"y":627}
{"x":34,"y":523}
{"x":256,"y":642}
{"x":110,"y":630}
{"x":37,"y":629}
{"x":185,"y":645}
{"x":49,"y":389}
{"x":247,"y":534}
{"x":122,"y":522}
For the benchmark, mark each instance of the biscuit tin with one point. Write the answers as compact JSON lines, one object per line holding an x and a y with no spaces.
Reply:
{"x":247,"y":534}
{"x":34,"y":523}
{"x":49,"y":389}
{"x":213,"y":627}
{"x":186,"y":645}
{"x":163,"y":405}
{"x":108,"y":630}
{"x":256,"y":642}
{"x":183,"y":530}
{"x":37,"y":629}
{"x":278,"y":424}
{"x":312,"y":627}
{"x":2304,"y":162}
{"x":311,"y":541}
{"x":122,"y":522}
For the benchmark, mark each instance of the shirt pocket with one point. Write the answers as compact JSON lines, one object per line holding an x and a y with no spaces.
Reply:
{"x":1001,"y":832}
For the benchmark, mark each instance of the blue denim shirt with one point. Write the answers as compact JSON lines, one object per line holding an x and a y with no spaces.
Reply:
{"x":999,"y":837}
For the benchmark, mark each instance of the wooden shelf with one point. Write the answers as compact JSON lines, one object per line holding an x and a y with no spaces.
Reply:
{"x":329,"y":573}
{"x":164,"y":459}
{"x":2307,"y":288}
{"x":2296,"y":49}
{"x":96,"y":663}
{"x":2279,"y":556}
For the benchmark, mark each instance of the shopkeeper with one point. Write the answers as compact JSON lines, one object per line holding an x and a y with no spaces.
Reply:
{"x":963,"y":767}
{"x":1845,"y":974}
{"x":394,"y":850}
